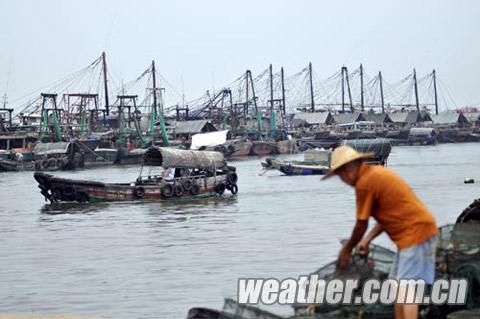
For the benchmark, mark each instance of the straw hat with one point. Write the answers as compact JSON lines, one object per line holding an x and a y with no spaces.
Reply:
{"x":343,"y":155}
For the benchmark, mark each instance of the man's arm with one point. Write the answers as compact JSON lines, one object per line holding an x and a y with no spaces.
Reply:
{"x":359,"y":230}
{"x":365,"y":242}
{"x":372,"y":234}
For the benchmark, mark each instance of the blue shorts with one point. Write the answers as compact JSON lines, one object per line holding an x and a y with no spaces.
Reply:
{"x":416,"y":262}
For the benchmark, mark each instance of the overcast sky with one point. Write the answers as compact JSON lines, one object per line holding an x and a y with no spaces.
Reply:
{"x":211,"y":42}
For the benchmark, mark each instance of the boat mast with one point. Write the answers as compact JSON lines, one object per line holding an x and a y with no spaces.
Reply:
{"x":349,"y":91}
{"x":312,"y":100}
{"x":271,"y":88}
{"x":253,"y":91}
{"x":343,"y":90}
{"x":257,"y":113}
{"x":283,"y":91}
{"x":381,"y":90}
{"x":272,"y":110}
{"x":282,"y":110}
{"x":105,"y":83}
{"x":416,"y":90}
{"x":247,"y":104}
{"x":361,"y":87}
{"x":435,"y":91}
{"x":154,"y":80}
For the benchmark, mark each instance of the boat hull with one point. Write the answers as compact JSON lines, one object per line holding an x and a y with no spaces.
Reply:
{"x":287,"y":147}
{"x":242,"y":149}
{"x":292,"y":169}
{"x":56,"y":189}
{"x":263,"y":149}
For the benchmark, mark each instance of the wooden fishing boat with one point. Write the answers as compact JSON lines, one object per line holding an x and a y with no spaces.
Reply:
{"x":196,"y":174}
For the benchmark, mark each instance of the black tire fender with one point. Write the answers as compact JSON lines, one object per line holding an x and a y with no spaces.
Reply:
{"x":178,"y":190}
{"x":234,"y":189}
{"x":44,"y":164}
{"x":220,"y":189}
{"x":139,"y":192}
{"x":51,"y":162}
{"x":167,"y":190}
{"x":195,"y":189}
{"x":187,"y":185}
{"x":232,"y":178}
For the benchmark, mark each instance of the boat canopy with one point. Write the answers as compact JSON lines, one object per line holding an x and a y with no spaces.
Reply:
{"x":421,"y":131}
{"x":208,"y":139}
{"x":51,"y":148}
{"x":177,"y":158}
{"x":380,"y":146}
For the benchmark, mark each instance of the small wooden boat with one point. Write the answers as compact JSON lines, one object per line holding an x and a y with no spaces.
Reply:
{"x":196,"y":173}
{"x":316,"y":162}
{"x":303,"y":169}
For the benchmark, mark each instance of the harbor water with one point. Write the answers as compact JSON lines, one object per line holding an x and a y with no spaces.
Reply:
{"x":157,"y":260}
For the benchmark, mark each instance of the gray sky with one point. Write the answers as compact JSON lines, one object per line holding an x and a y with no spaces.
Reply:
{"x":212,"y":41}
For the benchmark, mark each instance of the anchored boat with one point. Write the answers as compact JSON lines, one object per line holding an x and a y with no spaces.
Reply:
{"x":187,"y":174}
{"x":316,"y":162}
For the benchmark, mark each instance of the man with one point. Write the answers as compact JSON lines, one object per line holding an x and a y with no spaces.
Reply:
{"x":383,"y":195}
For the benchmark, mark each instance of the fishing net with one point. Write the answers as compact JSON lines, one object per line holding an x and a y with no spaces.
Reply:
{"x":234,"y":310}
{"x":376,"y":266}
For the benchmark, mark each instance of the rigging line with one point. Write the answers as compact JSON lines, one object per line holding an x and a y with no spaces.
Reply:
{"x":172,"y":88}
{"x":444,"y":88}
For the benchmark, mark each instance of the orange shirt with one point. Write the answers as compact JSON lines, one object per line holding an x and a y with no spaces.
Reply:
{"x":385,"y":196}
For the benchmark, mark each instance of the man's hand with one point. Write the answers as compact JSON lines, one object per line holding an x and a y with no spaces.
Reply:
{"x":344,"y":259}
{"x":363,"y":247}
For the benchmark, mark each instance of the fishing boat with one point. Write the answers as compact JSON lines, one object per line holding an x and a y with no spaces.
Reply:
{"x":195,"y":174}
{"x":7,"y":165}
{"x":263,"y":148}
{"x":58,"y":156}
{"x":316,"y":162}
